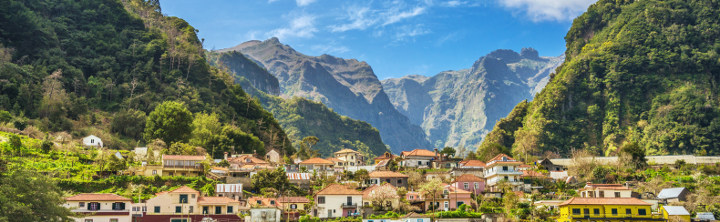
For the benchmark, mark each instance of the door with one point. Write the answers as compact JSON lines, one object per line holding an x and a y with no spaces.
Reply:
{"x":218,"y":210}
{"x":330,"y":214}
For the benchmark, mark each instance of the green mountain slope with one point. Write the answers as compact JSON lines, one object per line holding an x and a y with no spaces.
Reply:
{"x":72,"y":65}
{"x":635,"y":71}
{"x":301,"y":117}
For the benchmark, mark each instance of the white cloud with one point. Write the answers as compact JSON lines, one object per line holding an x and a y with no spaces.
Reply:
{"x":302,"y":26}
{"x":409,"y":32}
{"x":548,"y":10}
{"x":403,"y":15}
{"x":271,"y":1}
{"x":304,"y":2}
{"x":364,"y":17}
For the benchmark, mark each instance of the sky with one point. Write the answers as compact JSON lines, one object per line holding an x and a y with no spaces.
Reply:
{"x":396,"y":37}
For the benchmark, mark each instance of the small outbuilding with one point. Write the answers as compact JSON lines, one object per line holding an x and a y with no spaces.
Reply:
{"x":670,"y":195}
{"x":92,"y":140}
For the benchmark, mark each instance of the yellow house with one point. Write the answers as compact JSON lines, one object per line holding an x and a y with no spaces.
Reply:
{"x":580,"y":209}
{"x":675,"y":213}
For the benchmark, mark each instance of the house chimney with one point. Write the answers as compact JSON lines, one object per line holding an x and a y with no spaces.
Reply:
{"x":225,"y":158}
{"x":436,"y":155}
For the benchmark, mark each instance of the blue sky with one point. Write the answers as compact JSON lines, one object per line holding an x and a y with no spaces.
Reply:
{"x":396,"y":37}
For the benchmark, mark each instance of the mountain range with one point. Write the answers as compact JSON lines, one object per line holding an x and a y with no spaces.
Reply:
{"x":457,"y":108}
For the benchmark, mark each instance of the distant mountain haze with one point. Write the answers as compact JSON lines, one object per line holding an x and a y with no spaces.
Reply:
{"x":348,"y":86}
{"x":458,"y":108}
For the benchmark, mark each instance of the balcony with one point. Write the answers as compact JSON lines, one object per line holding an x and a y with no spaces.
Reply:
{"x":183,"y":166}
{"x":349,"y":205}
{"x":503,"y":172}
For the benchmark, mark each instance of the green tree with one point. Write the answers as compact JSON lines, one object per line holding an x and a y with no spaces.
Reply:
{"x":205,"y":133}
{"x":276,"y":179}
{"x":46,"y":146}
{"x":15,"y":144}
{"x":306,"y":151}
{"x":431,"y":190}
{"x":170,"y":121}
{"x":241,"y":142}
{"x":634,"y":154}
{"x":448,"y":151}
{"x":26,"y":196}
{"x":130,"y":123}
{"x":488,"y":151}
{"x":361,"y":175}
{"x":5,"y":116}
{"x":180,"y":148}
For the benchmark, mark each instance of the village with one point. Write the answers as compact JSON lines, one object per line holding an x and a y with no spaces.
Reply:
{"x":418,"y":186}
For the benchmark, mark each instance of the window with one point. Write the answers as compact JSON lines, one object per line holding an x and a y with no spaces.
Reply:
{"x":576,"y":211}
{"x":157,"y":209}
{"x":321,"y":200}
{"x":178,"y":209}
{"x":293,"y":206}
{"x":81,"y":204}
{"x":113,"y":220}
{"x":617,"y":194}
{"x":272,"y":202}
{"x":505,"y":168}
{"x":596,"y":211}
{"x":466,"y":185}
{"x":144,"y":208}
{"x":602,"y":193}
{"x":399,"y":181}
{"x":205,"y":210}
{"x":419,"y":163}
{"x":218,"y":210}
{"x":178,"y":220}
{"x":641,"y":212}
{"x":154,"y":172}
{"x":459,"y":203}
{"x":447,"y":205}
{"x":259,"y":202}
{"x":190,"y":210}
{"x":506,"y":178}
{"x":229,"y":209}
{"x":614,"y":211}
{"x":387,"y":180}
{"x":88,"y":220}
{"x":183,"y":198}
{"x":476,"y":185}
{"x":586,"y":211}
{"x":118,"y":206}
{"x":628,"y":211}
{"x":94,"y":206}
{"x":419,"y":220}
{"x":349,"y":200}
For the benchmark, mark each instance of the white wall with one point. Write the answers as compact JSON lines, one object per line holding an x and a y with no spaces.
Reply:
{"x":334,"y":202}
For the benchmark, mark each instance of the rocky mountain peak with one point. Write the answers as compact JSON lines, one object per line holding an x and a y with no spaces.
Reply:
{"x":529,"y":53}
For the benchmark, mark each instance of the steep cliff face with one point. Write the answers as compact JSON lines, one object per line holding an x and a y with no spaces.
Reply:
{"x":348,"y":86}
{"x":457,"y":108}
{"x":239,"y":65}
{"x":644,"y":72}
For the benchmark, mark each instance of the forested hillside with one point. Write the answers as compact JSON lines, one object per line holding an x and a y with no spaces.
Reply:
{"x":645,"y":72}
{"x":100,"y":66}
{"x":301,"y":117}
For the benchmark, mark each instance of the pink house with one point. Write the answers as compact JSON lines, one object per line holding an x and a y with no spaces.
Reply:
{"x":450,"y":199}
{"x":470,"y":183}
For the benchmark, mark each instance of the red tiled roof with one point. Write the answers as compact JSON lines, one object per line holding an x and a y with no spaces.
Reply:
{"x":499,"y":159}
{"x":420,"y":152}
{"x":338,"y":189}
{"x":530,"y":173}
{"x":317,"y":161}
{"x":215,"y":200}
{"x":184,"y":189}
{"x":385,"y":174}
{"x":593,"y":186}
{"x":604,"y":201}
{"x":182,"y":157}
{"x":473,"y":163}
{"x":97,"y":197}
{"x":247,"y":159}
{"x":469,"y":178}
{"x":524,"y":166}
{"x":263,"y":200}
{"x":347,"y":151}
{"x":293,"y":200}
{"x":334,"y":159}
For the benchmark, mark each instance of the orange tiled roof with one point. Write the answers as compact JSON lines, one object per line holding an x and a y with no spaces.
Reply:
{"x":338,"y":189}
{"x":97,"y":197}
{"x":369,"y":190}
{"x":346,"y":151}
{"x":182,"y":157}
{"x":385,"y":174}
{"x":499,"y":157}
{"x":469,"y":178}
{"x":215,"y":200}
{"x":293,"y":200}
{"x":604,"y":201}
{"x":184,"y":189}
{"x":473,"y":163}
{"x":420,"y":152}
{"x":524,"y":166}
{"x":263,"y":200}
{"x":334,"y":159}
{"x":530,"y":173}
{"x":247,"y":159}
{"x":592,"y":186}
{"x":317,"y":160}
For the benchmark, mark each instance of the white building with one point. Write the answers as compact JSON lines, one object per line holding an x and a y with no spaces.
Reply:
{"x":265,"y":214}
{"x":233,"y":191}
{"x":503,"y":167}
{"x":418,"y":158}
{"x":92,"y":140}
{"x":337,"y":200}
{"x":95,"y":207}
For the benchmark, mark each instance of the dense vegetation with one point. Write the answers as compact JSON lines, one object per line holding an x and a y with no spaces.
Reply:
{"x":636,"y":71}
{"x":301,"y":117}
{"x":101,"y":66}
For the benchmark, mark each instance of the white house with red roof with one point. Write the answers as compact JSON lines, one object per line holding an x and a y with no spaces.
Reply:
{"x":185,"y":202}
{"x":605,"y":191}
{"x":503,"y":168}
{"x":100,"y":207}
{"x":418,"y":158}
{"x":337,"y":200}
